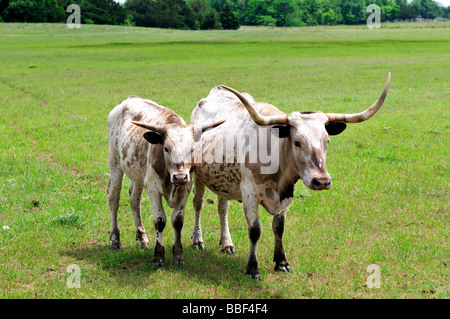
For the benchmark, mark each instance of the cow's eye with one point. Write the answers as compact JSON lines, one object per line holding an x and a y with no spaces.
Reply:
{"x":297,"y":144}
{"x":166,"y":150}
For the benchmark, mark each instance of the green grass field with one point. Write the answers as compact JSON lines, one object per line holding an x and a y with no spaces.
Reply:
{"x":389,"y":203}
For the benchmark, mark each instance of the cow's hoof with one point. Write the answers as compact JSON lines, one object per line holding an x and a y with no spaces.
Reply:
{"x":253,"y":275}
{"x":159,"y":263}
{"x":198,"y":245}
{"x":230,"y":250}
{"x":256,"y":277}
{"x":283,"y":268}
{"x":115,"y":245}
{"x":179,"y":263}
{"x":141,"y":238}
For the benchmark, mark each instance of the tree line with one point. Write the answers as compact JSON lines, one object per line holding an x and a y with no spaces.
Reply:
{"x":218,"y":14}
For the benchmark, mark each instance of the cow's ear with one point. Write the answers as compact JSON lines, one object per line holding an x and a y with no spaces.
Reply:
{"x":281,"y":131}
{"x":335,"y":128}
{"x":153,"y":137}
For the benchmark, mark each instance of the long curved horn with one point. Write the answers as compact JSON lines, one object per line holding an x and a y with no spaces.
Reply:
{"x":258,"y":118}
{"x":365,"y":115}
{"x":156,"y":128}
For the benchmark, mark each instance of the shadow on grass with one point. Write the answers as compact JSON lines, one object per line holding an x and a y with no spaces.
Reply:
{"x":210,"y":267}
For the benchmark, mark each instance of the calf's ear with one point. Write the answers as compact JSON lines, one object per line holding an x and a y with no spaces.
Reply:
{"x":281,"y":131}
{"x":153,"y":137}
{"x":335,"y":128}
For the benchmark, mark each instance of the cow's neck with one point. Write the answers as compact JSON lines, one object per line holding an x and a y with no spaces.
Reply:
{"x":287,"y":174}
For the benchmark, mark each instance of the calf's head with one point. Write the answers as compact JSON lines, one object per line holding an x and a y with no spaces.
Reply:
{"x":307,"y":135}
{"x":177,"y":143}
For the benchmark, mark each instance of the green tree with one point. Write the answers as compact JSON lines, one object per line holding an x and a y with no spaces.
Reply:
{"x":102,"y":12}
{"x":218,"y":5}
{"x":207,"y":17}
{"x":286,"y":13}
{"x":258,"y":12}
{"x":33,"y":11}
{"x":427,"y":9}
{"x":312,"y":12}
{"x":228,"y":19}
{"x":3,"y":5}
{"x":405,"y":10}
{"x":329,"y":17}
{"x":187,"y":14}
{"x":353,"y":11}
{"x":446,"y":12}
{"x":174,"y":14}
{"x":389,"y":9}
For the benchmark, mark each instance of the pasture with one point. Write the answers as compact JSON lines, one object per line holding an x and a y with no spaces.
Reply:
{"x":388,"y":206}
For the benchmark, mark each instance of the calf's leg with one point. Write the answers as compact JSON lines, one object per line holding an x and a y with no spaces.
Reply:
{"x":114,"y":188}
{"x":135,"y":203}
{"x":177,"y":224}
{"x":159,"y":221}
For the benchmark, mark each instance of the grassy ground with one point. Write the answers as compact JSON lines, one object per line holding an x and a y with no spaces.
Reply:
{"x":389,"y":201}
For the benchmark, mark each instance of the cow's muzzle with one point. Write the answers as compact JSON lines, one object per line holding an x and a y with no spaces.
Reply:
{"x":320,"y":183}
{"x":180,"y":179}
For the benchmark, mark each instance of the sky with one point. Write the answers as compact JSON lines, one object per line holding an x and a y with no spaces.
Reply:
{"x":443,"y":2}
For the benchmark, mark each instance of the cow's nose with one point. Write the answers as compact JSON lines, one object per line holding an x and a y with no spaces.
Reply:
{"x":321,"y":183}
{"x":180,"y":179}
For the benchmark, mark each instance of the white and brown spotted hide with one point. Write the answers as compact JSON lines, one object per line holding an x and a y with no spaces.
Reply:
{"x":153,"y":146}
{"x":233,"y":167}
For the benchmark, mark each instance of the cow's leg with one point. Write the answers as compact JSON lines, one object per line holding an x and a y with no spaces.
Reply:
{"x":199,"y":192}
{"x":177,"y":224}
{"x":135,"y":203}
{"x":159,"y":221}
{"x":254,"y":231}
{"x":114,"y":188}
{"x":225,"y":237}
{"x":279,"y":257}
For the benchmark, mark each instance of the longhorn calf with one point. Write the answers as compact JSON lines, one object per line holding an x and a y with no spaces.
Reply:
{"x":153,"y":146}
{"x":239,"y":172}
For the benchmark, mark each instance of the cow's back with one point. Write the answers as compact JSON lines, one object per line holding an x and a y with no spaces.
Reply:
{"x":127,"y":145}
{"x":221,"y":104}
{"x":141,"y":110}
{"x":221,"y":177}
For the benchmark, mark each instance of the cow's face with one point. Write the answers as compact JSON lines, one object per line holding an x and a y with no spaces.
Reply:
{"x":178,"y":149}
{"x":307,"y":142}
{"x":307,"y":134}
{"x":177,"y":143}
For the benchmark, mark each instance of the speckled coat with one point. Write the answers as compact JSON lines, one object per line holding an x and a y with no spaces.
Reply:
{"x":153,"y":146}
{"x":300,"y":145}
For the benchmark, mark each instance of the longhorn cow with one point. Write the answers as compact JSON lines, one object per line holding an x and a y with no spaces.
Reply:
{"x":153,"y":146}
{"x":301,"y":150}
